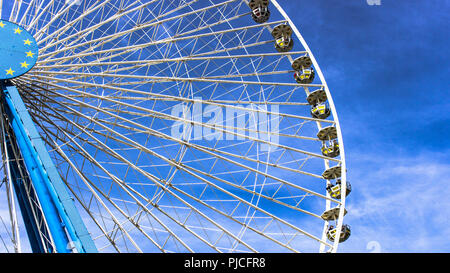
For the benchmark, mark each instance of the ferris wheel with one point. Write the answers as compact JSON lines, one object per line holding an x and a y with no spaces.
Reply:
{"x":165,"y":126}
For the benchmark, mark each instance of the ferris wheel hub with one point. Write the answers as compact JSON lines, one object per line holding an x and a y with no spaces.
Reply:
{"x":18,"y":50}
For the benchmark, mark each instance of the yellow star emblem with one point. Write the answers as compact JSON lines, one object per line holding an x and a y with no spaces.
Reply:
{"x":29,"y":54}
{"x":2,"y":24}
{"x":10,"y":71}
{"x":24,"y":64}
{"x":27,"y":42}
{"x":17,"y":31}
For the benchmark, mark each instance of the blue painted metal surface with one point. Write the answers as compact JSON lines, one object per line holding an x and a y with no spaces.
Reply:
{"x":63,"y":219}
{"x":18,"y":50}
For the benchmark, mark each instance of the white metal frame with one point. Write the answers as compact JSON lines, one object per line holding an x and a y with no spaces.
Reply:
{"x":61,"y":96}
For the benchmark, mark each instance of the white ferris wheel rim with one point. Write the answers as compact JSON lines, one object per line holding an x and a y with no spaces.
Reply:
{"x":333,"y":248}
{"x":336,"y":119}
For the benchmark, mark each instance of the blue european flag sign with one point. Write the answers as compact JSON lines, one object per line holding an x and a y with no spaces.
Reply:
{"x":18,"y":50}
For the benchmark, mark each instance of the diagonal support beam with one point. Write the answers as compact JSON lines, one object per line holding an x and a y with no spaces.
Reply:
{"x":64,"y":222}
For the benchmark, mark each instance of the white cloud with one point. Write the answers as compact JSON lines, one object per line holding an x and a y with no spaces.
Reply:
{"x":401,"y":203}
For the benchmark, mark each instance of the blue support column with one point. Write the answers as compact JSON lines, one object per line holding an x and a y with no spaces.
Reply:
{"x":31,"y":214}
{"x":64,"y":222}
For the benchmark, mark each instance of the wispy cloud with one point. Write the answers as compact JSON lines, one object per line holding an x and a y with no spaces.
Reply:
{"x":401,"y":203}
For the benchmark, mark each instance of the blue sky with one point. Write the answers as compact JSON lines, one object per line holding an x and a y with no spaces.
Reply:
{"x":387,"y":67}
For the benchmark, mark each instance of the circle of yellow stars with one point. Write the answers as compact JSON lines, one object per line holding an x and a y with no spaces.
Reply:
{"x":29,"y":54}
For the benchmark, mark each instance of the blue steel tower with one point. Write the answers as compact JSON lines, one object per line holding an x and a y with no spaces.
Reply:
{"x":51,"y":219}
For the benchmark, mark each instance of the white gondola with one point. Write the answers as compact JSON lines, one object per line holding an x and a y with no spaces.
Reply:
{"x":305,"y":75}
{"x":332,"y":214}
{"x":301,"y":62}
{"x":317,"y":96}
{"x":319,"y":106}
{"x":345,"y":233}
{"x":335,"y":190}
{"x":320,"y":110}
{"x":260,"y":10}
{"x":330,"y":148}
{"x":283,"y":38}
{"x":332,"y":173}
{"x":327,"y":133}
